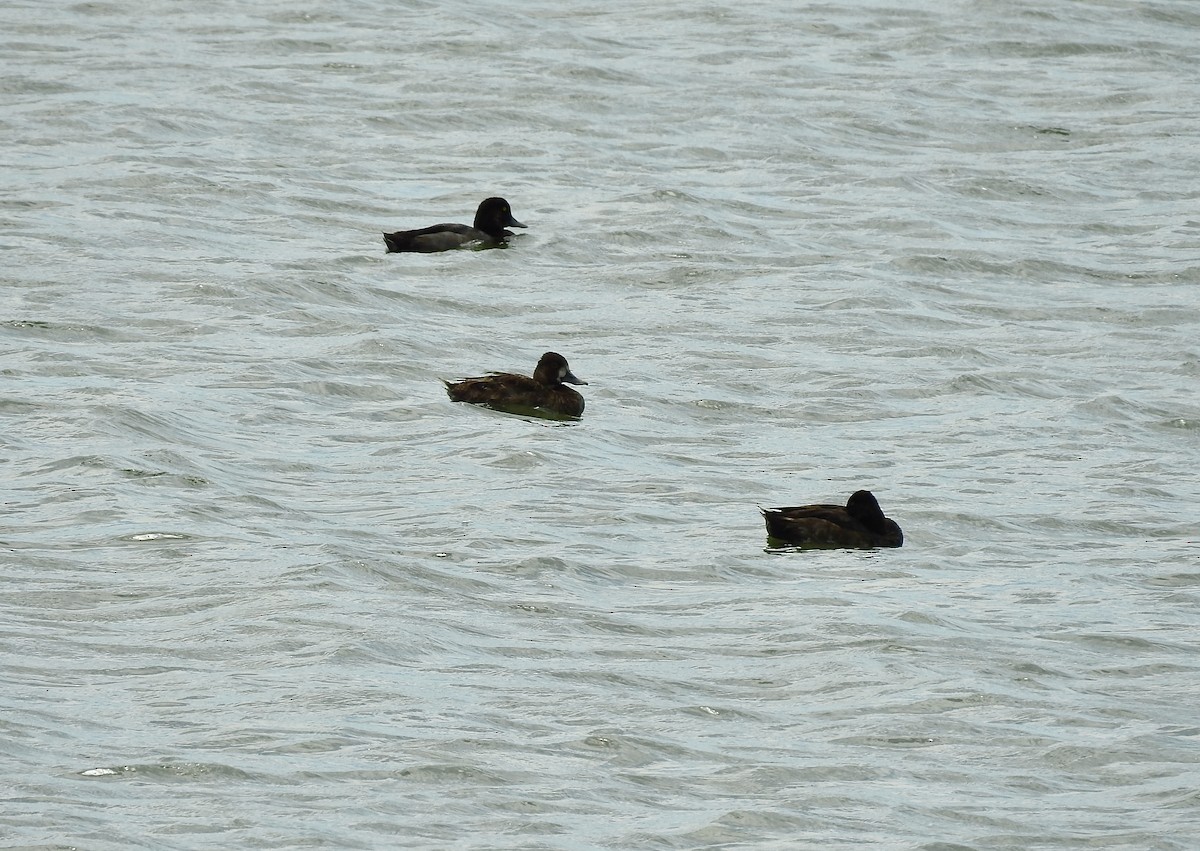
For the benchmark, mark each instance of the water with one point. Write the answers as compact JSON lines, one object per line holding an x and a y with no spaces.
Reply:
{"x":267,"y":587}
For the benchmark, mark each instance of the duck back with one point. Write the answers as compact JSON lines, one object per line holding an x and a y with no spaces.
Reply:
{"x":506,"y":391}
{"x":443,"y":237}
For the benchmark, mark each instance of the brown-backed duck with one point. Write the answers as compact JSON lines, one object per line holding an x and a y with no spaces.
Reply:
{"x":859,"y":524}
{"x":543,"y":394}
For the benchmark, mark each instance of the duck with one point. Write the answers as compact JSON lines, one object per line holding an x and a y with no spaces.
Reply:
{"x":491,"y":220}
{"x":859,"y":524}
{"x":545,"y":394}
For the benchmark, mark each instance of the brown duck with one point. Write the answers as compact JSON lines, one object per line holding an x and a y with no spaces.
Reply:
{"x":859,"y":524}
{"x":543,"y":394}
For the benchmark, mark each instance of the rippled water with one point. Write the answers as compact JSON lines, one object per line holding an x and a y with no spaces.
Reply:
{"x":267,"y":587}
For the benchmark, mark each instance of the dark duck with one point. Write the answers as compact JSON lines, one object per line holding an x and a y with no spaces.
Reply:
{"x":544,"y":395}
{"x":858,"y":524}
{"x":492,"y":219}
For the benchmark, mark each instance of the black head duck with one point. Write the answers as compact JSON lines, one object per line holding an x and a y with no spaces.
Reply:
{"x":543,"y":394}
{"x":858,"y":524}
{"x":492,"y":219}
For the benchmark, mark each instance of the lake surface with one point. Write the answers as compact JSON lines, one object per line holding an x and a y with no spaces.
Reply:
{"x":266,"y":587}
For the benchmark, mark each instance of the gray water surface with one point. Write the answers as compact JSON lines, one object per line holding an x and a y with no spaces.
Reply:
{"x":265,"y":586}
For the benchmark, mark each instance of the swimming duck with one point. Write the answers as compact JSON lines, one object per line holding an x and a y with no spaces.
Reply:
{"x":543,"y":394}
{"x":860,"y":524}
{"x":491,"y":219}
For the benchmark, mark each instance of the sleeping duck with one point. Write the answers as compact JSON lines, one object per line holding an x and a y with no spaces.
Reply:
{"x":859,"y":524}
{"x":491,"y":219}
{"x":543,"y":395}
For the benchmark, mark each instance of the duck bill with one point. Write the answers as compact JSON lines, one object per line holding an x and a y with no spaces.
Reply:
{"x":513,"y":223}
{"x":570,"y":378}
